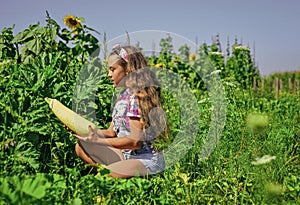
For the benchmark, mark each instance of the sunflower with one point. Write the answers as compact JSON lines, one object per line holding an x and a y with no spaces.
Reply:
{"x":159,"y":65}
{"x":193,"y":57}
{"x":72,"y":22}
{"x":176,"y":60}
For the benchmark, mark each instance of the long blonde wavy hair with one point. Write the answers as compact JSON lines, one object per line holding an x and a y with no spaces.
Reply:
{"x":146,"y":87}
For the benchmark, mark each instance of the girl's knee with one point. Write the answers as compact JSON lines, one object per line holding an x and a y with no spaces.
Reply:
{"x":82,"y":154}
{"x":78,"y":150}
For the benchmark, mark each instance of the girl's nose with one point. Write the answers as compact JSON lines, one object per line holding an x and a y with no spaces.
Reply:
{"x":109,"y":74}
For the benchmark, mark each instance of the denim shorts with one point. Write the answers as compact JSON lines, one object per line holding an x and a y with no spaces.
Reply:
{"x":153,"y":162}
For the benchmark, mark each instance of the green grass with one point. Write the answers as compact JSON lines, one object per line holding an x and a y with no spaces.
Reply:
{"x":227,"y":176}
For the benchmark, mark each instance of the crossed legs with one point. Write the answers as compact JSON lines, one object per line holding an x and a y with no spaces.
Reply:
{"x":112,"y":158}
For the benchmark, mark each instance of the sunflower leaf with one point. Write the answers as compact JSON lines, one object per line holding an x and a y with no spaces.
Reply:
{"x":34,"y":45}
{"x":22,"y":36}
{"x":81,"y":19}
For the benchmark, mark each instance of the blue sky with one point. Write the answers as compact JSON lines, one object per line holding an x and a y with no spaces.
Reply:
{"x":272,"y":25}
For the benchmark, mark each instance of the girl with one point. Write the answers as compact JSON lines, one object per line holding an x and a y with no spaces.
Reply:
{"x":137,"y":119}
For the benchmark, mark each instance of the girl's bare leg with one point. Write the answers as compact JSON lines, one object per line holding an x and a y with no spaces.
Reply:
{"x":127,"y":168}
{"x":94,"y":153}
{"x":81,"y":153}
{"x":114,"y":160}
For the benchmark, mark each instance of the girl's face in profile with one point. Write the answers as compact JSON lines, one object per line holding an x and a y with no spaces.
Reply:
{"x":115,"y":72}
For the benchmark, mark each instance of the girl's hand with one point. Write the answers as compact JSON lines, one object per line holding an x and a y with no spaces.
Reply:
{"x":68,"y":129}
{"x":92,"y":137}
